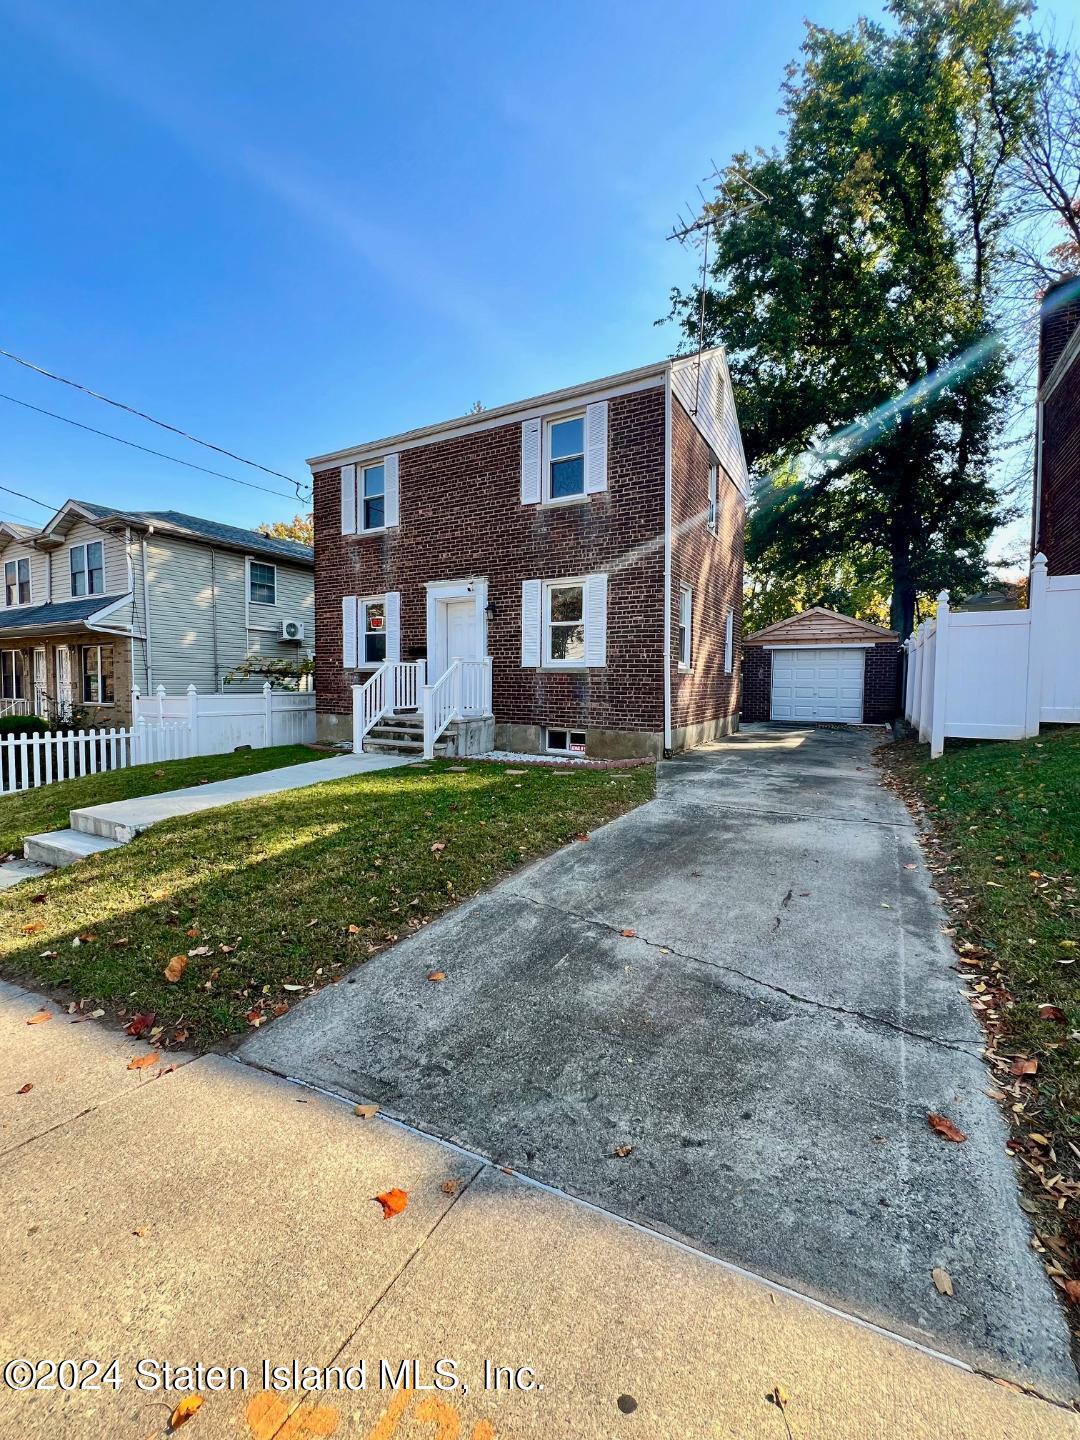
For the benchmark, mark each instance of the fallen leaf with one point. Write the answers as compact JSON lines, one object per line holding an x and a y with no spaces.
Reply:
{"x":583,"y":837}
{"x":354,"y":929}
{"x":48,"y":954}
{"x":945,"y":1128}
{"x":33,"y":927}
{"x":199,"y":950}
{"x":365,"y":1111}
{"x":24,"y":1089}
{"x":122,"y":943}
{"x":87,"y":938}
{"x":255,"y":1018}
{"x":942,"y":1281}
{"x":628,"y":934}
{"x":1052,"y":1012}
{"x":778,"y":1396}
{"x":1072,"y":1291}
{"x":393,"y":1202}
{"x":1024,"y":1065}
{"x":436,"y":975}
{"x":294,"y":987}
{"x":40,"y":1017}
{"x":281,"y":1008}
{"x":1039,"y":1139}
{"x":621,"y":1151}
{"x":139,"y":1024}
{"x":450,"y":1187}
{"x":143,"y":1062}
{"x":142,"y":1232}
{"x":438,"y":847}
{"x":175,"y":968}
{"x":183,"y":1412}
{"x":192,"y":932}
{"x":38,"y":899}
{"x":226,"y":949}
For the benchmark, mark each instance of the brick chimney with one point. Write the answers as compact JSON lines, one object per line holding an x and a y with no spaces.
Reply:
{"x":1059,"y":317}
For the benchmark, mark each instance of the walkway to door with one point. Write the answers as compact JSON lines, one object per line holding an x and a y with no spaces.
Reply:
{"x":727,"y":1015}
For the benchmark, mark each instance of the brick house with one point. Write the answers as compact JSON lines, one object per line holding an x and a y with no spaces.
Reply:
{"x":1056,"y":511}
{"x":822,"y":666}
{"x":580,"y":553}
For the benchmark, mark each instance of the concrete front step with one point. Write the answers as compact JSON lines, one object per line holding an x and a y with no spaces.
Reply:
{"x":376,"y":745}
{"x":64,"y":847}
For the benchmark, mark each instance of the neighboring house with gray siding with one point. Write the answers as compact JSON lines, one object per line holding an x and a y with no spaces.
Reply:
{"x":100,"y":599}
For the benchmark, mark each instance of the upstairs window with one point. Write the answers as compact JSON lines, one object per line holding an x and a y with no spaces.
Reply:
{"x":565,"y":467}
{"x":373,"y":497}
{"x":686,"y":625}
{"x":262,"y":583}
{"x":17,"y":582}
{"x":88,"y":569}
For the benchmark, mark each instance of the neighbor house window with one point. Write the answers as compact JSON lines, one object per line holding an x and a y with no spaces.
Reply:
{"x":11,"y":675}
{"x":262,"y":583}
{"x":566,"y":742}
{"x":729,"y":642}
{"x":88,"y":569}
{"x":565,"y":458}
{"x":373,"y":632}
{"x":686,"y":625}
{"x":372,"y":497}
{"x":97,"y":675}
{"x":17,"y":582}
{"x":564,"y":624}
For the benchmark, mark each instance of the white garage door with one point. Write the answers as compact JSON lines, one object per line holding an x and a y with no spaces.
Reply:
{"x":809,"y":684}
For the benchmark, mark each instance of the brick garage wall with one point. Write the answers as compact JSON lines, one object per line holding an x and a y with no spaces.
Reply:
{"x":757,"y":683}
{"x":881,"y":683}
{"x":461,"y":515}
{"x":1059,"y":527}
{"x":712,"y":565}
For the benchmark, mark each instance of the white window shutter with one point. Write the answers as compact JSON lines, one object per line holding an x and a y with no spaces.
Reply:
{"x":596,"y":447}
{"x":596,"y":620}
{"x":531,"y":435}
{"x":530,"y":624}
{"x":348,"y":499}
{"x":390,"y":484}
{"x":392,"y":600}
{"x":348,"y":632}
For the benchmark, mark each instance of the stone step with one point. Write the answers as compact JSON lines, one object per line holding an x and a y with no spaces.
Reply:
{"x":376,"y":746}
{"x":64,"y":847}
{"x":384,"y":730}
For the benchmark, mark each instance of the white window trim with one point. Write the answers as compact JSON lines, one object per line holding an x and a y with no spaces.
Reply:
{"x":84,"y":546}
{"x":712,"y":522}
{"x":97,"y":704}
{"x":17,"y":604}
{"x":686,"y":592}
{"x":546,"y":662}
{"x":545,"y":470}
{"x":268,"y":565}
{"x":362,"y":603}
{"x":361,"y":471}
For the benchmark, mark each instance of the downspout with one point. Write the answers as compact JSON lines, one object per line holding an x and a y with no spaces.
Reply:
{"x":213,"y":615}
{"x":1036,"y":513}
{"x":147,"y":643}
{"x":667,"y":563}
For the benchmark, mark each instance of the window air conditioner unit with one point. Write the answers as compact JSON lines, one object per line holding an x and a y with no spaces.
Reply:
{"x":292,"y":630}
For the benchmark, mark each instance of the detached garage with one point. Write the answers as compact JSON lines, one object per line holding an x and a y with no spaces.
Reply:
{"x":821,"y":667}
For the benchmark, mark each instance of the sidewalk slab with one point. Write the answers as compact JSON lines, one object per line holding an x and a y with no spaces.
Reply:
{"x":217,"y":1215}
{"x":123,"y":819}
{"x":72,"y":1064}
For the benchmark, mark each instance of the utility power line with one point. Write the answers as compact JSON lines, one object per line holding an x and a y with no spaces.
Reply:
{"x":142,"y":415}
{"x":147,"y":450}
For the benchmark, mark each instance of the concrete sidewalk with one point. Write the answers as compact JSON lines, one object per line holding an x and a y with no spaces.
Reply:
{"x":744,"y":982}
{"x":218,"y":1216}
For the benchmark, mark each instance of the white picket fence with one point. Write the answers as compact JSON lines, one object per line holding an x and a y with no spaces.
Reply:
{"x":219,"y":723}
{"x":28,"y":761}
{"x":997,"y":675}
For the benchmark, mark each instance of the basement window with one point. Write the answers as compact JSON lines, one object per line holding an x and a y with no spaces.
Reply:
{"x":566,"y":742}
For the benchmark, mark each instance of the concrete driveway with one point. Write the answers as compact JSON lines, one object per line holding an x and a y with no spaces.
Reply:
{"x":769,"y":1043}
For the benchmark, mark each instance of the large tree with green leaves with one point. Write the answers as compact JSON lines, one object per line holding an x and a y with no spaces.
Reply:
{"x":858,"y":299}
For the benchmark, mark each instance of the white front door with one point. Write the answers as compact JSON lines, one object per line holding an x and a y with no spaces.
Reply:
{"x":460,"y":632}
{"x":64,"y":696}
{"x":41,"y":683}
{"x":811,"y":684}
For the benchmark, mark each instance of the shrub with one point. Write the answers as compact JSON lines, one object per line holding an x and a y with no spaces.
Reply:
{"x":23,"y":725}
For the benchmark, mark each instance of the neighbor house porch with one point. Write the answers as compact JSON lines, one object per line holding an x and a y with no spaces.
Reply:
{"x":62,"y":677}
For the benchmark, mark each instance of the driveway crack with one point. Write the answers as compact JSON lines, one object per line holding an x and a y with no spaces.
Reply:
{"x":969,"y":1048}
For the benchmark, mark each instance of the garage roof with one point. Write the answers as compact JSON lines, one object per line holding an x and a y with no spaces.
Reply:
{"x":819,"y":626}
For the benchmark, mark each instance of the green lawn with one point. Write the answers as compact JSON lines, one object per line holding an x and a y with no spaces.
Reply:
{"x":46,"y":808}
{"x":273,"y":897}
{"x":1006,"y":817}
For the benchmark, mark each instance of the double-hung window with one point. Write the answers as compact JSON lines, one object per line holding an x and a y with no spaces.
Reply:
{"x":88,"y":569}
{"x":564,"y":624}
{"x":714,"y":499}
{"x":97,"y":675}
{"x":11,"y":675}
{"x":262,"y":583}
{"x":686,"y":626}
{"x":372,"y":632}
{"x":564,"y":458}
{"x":372,"y":497}
{"x":17,"y":581}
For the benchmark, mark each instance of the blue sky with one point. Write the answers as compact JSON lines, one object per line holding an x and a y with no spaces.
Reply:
{"x":288,"y":228}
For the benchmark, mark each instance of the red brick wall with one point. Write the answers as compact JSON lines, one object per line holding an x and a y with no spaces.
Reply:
{"x":881,"y":683}
{"x":757,"y":683}
{"x":1059,"y":514}
{"x":712,"y":565}
{"x":461,"y":515}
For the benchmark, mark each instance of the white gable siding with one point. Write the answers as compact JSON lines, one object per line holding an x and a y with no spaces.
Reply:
{"x":715,"y":418}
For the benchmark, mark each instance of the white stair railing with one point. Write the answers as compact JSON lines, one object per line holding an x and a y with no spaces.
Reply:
{"x":441,"y":704}
{"x":396,"y":685}
{"x":475,"y":687}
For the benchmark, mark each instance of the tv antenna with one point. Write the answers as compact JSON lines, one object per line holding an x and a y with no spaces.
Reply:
{"x":701,"y":223}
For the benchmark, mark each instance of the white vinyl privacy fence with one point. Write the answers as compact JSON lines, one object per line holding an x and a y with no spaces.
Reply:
{"x":997,"y":675}
{"x":219,"y":723}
